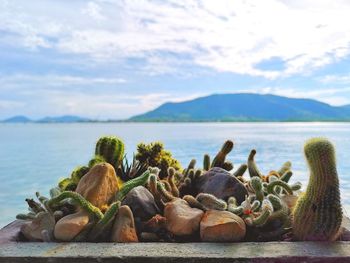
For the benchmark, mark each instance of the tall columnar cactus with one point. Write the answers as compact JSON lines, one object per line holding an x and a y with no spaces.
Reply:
{"x":111,"y":148}
{"x":318,"y":213}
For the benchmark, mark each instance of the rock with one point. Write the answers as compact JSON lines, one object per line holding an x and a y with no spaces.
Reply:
{"x":155,"y":224}
{"x":221,"y":226}
{"x":222,"y":184}
{"x":11,"y":232}
{"x":71,"y":225}
{"x":32,"y":230}
{"x":99,"y":185}
{"x":124,"y":230}
{"x":141,"y":203}
{"x":182,"y":219}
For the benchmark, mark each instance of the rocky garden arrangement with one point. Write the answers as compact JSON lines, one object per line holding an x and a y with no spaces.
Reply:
{"x":152,"y":199}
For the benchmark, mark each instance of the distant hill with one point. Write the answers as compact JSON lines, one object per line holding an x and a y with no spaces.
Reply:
{"x":246,"y":107}
{"x":65,"y":119}
{"x":17,"y":119}
{"x":59,"y":119}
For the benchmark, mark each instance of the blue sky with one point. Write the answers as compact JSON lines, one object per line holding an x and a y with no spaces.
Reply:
{"x":113,"y":59}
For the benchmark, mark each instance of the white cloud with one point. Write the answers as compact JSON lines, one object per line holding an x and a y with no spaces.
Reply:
{"x":10,"y":104}
{"x":229,"y":36}
{"x":335,"y":79}
{"x":49,"y":80}
{"x":94,"y":10}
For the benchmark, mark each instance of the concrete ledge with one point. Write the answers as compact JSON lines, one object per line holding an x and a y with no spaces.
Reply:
{"x":176,"y":252}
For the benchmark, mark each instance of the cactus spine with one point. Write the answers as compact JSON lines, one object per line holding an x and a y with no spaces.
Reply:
{"x":318,"y":213}
{"x":111,"y":148}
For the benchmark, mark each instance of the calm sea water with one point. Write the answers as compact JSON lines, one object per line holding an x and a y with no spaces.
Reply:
{"x":35,"y":156}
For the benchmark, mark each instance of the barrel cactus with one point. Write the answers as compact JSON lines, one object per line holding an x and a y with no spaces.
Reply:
{"x":111,"y":148}
{"x":318,"y":213}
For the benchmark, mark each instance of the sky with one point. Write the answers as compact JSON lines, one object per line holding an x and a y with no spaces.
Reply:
{"x":112,"y":59}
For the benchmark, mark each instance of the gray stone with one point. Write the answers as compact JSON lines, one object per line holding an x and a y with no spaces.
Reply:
{"x":174,"y":252}
{"x":141,"y":203}
{"x":222,"y":184}
{"x":11,"y":232}
{"x":33,"y":229}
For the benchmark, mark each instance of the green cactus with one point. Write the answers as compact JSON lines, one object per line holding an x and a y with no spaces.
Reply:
{"x":228,"y":166}
{"x":232,"y":206}
{"x":278,"y":183}
{"x":104,"y":222}
{"x":190,"y":167}
{"x":318,"y":213}
{"x":241,"y":170}
{"x":285,"y":167}
{"x":78,"y":173}
{"x":252,"y":167}
{"x":155,"y":155}
{"x":141,"y":180}
{"x":256,"y":184}
{"x":166,"y":196}
{"x":67,"y":184}
{"x":96,"y":160}
{"x":128,"y":171}
{"x":55,"y":191}
{"x":28,"y":216}
{"x":193,"y":202}
{"x":171,"y":181}
{"x":81,"y":201}
{"x":111,"y":148}
{"x":220,"y":157}
{"x":266,"y":211}
{"x":206,"y":162}
{"x":286,"y":176}
{"x":209,"y":201}
{"x":152,"y":185}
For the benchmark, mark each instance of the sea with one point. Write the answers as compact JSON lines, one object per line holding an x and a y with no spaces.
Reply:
{"x":34,"y":157}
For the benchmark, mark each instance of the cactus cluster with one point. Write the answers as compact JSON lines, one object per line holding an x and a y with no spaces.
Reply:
{"x":264,"y":210}
{"x":220,"y":158}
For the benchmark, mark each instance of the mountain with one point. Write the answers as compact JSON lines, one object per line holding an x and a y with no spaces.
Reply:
{"x":64,"y":119}
{"x":246,"y":107}
{"x":17,"y":119}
